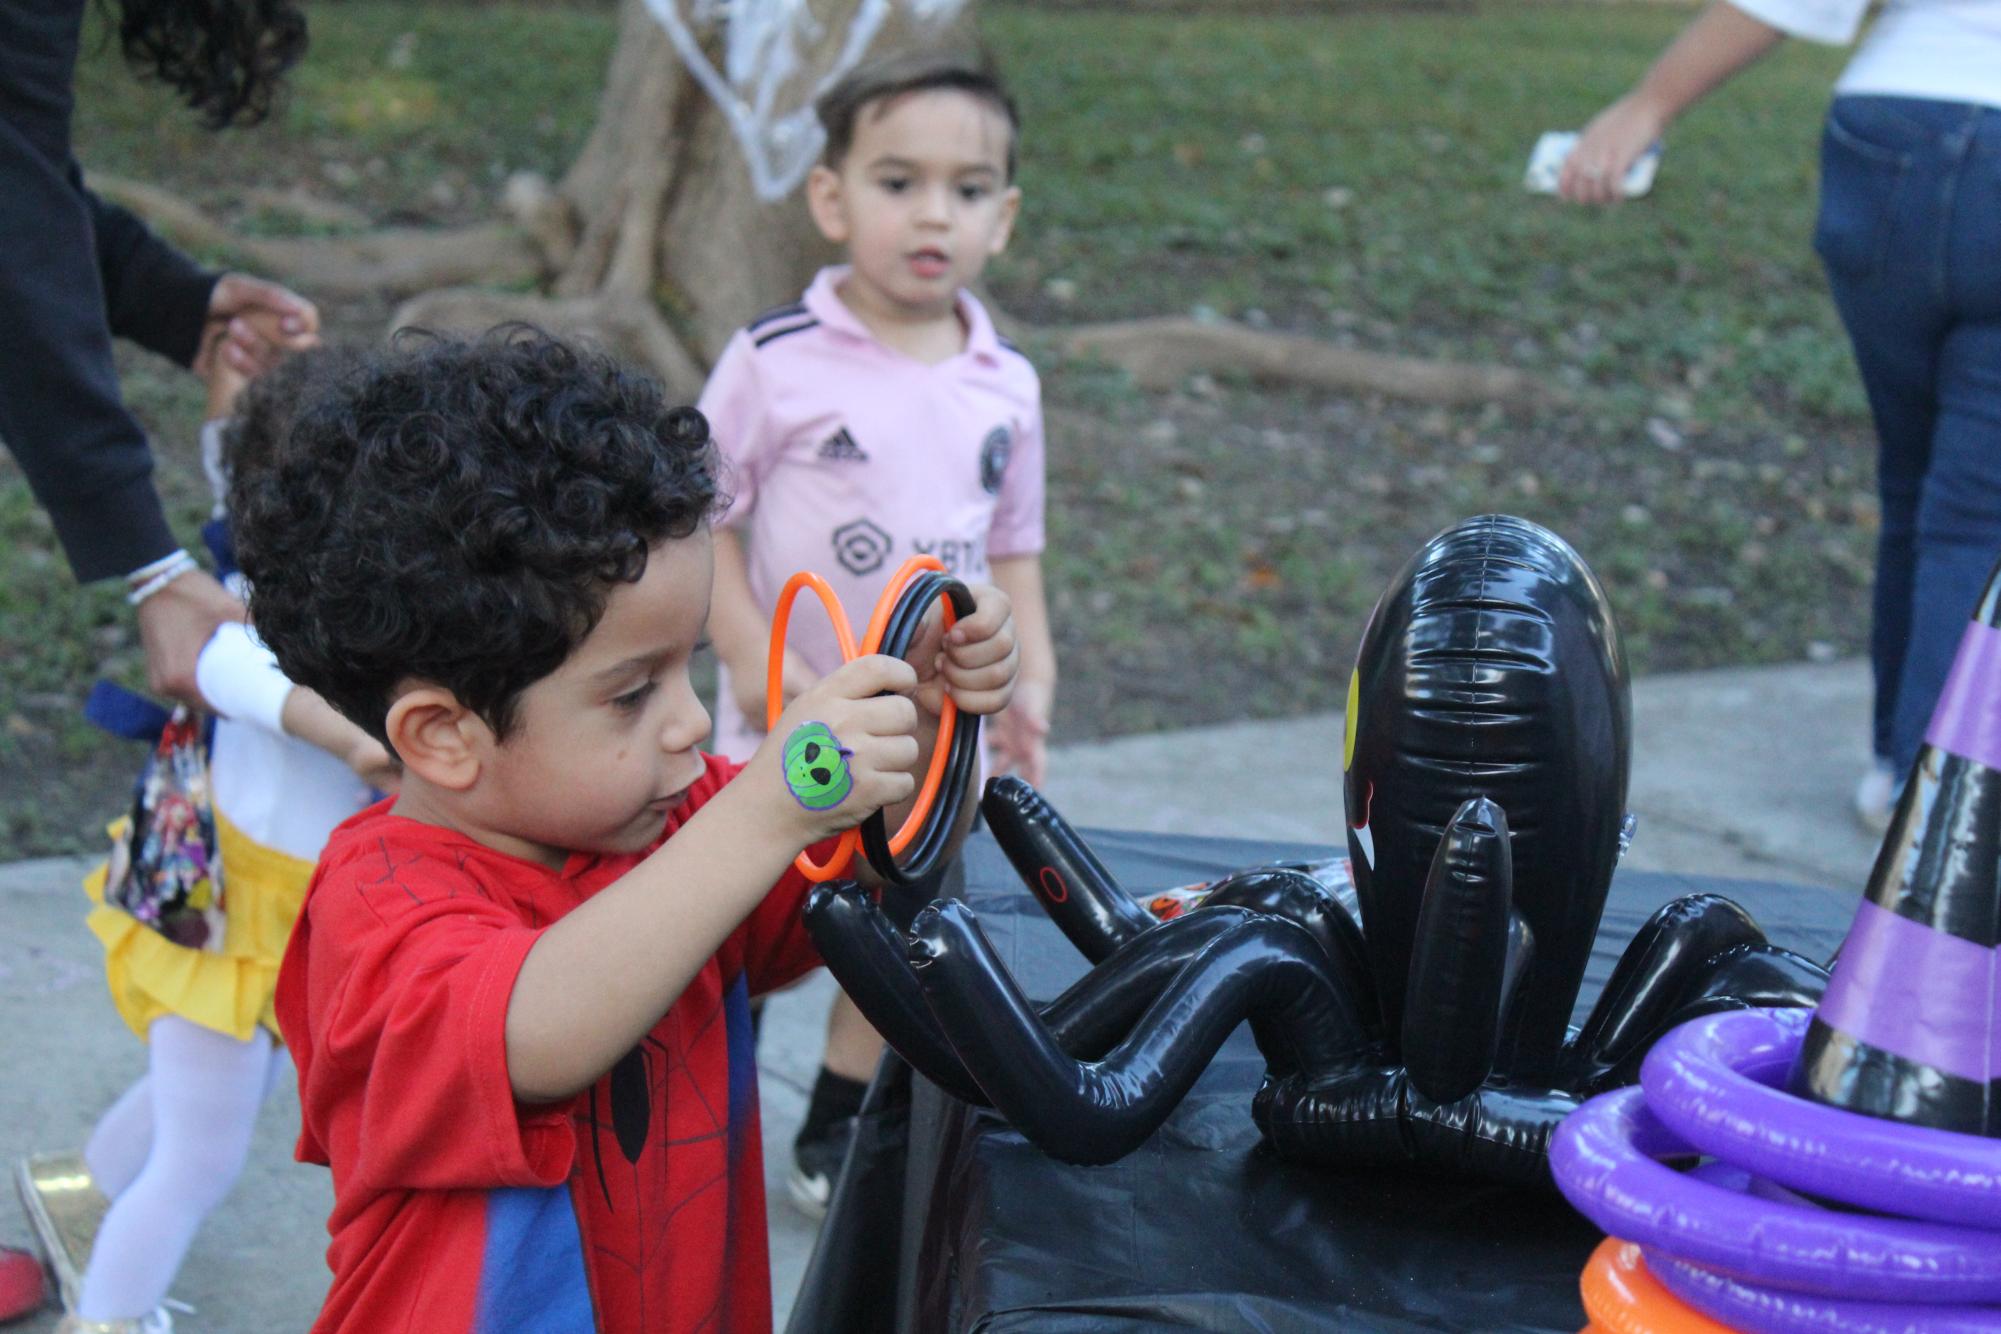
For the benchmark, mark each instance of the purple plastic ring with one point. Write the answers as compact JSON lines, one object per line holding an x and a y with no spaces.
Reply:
{"x":1603,"y":1156}
{"x":1712,"y":1083}
{"x":1746,"y":1306}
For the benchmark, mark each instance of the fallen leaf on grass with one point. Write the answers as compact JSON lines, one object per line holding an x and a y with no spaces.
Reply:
{"x":1262,"y":578}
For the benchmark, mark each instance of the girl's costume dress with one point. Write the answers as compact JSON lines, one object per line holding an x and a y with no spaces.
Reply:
{"x":276,"y":799}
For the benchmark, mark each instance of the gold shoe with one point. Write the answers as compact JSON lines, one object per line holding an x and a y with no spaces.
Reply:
{"x":64,"y":1208}
{"x":157,"y":1323}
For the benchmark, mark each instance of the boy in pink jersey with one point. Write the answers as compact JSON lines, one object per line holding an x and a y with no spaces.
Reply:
{"x":878,"y":418}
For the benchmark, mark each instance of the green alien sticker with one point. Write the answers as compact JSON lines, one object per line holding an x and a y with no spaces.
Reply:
{"x":816,"y":767}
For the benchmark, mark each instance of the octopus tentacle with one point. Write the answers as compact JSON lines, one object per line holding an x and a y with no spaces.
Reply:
{"x":1096,"y":1112}
{"x":865,"y":953}
{"x":868,"y":956}
{"x":1100,"y":1008}
{"x":1076,"y":890}
{"x":1670,"y":950}
{"x":1452,"y":1001}
{"x":1374,"y":1118}
{"x":1283,"y":891}
{"x":1742,"y":977}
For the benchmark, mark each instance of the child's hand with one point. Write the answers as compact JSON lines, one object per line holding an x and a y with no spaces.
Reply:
{"x":1021,"y":732}
{"x":843,"y":749}
{"x":373,"y":764}
{"x":982,"y":654}
{"x":748,"y":687}
{"x":225,"y":380}
{"x":310,"y":718}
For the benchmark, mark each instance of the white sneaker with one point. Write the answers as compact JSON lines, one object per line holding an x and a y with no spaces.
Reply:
{"x":811,"y":1192}
{"x":1876,"y":797}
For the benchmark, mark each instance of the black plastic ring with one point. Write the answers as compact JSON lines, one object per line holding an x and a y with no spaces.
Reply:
{"x":928,"y":847}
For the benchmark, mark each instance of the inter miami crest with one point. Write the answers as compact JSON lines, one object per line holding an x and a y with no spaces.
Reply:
{"x":995,"y":451}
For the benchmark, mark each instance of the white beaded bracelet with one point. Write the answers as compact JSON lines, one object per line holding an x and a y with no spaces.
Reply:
{"x":159,"y":574}
{"x":151,"y":568}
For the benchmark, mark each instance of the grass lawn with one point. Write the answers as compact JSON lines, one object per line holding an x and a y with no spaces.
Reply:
{"x":1213,"y":550}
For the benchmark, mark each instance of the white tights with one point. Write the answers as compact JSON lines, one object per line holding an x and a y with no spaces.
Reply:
{"x":168,"y":1151}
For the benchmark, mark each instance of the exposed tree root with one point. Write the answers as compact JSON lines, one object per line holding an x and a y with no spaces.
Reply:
{"x":449,"y":275}
{"x":1162,"y":353}
{"x":396,"y":261}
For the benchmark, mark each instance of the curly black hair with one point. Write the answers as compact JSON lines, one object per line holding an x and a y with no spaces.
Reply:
{"x":458,"y":512}
{"x":263,"y":414}
{"x":224,"y":57}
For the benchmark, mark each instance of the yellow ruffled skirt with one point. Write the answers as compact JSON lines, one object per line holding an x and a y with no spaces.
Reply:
{"x":228,"y":990}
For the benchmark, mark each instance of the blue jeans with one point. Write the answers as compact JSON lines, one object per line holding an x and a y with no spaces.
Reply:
{"x":1910,"y":233}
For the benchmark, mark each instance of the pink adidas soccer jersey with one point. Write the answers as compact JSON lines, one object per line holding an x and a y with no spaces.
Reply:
{"x":845,"y":457}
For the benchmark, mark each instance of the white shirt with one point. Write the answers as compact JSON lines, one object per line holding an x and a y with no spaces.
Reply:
{"x":279,"y":790}
{"x":1942,"y":50}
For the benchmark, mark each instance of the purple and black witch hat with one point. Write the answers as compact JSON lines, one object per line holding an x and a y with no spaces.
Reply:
{"x":1910,"y":1025}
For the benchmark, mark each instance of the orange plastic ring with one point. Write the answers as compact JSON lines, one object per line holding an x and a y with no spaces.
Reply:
{"x":1621,"y":1297}
{"x":774,"y":697}
{"x":844,"y":635}
{"x":948,"y":713}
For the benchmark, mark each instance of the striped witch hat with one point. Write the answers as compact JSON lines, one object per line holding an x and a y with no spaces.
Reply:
{"x":1910,"y":1026}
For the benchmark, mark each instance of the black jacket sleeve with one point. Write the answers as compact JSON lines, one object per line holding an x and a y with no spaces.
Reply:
{"x":153,"y":294}
{"x":60,"y":412}
{"x":73,"y":271}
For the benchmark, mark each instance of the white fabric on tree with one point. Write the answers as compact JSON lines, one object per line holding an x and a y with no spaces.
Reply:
{"x":764,"y":46}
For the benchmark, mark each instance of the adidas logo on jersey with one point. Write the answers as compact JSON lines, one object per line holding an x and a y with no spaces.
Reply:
{"x":840,"y":447}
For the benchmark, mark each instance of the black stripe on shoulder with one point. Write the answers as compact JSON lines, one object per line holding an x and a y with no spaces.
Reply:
{"x":777,"y":313}
{"x":1010,"y":346}
{"x":783,"y":330}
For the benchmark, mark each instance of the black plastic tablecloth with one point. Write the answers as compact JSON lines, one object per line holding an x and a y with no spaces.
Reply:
{"x":946,"y":1220}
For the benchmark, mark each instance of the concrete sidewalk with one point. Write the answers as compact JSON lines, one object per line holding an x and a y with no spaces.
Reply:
{"x":1736,"y":773}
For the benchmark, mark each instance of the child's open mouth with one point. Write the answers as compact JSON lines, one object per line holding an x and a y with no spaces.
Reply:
{"x":930,"y":263}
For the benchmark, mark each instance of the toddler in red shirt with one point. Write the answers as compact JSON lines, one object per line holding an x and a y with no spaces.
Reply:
{"x":518,"y":994}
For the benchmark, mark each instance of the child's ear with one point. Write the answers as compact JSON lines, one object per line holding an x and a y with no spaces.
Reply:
{"x":1010,"y":205}
{"x":438,"y":738}
{"x":824,"y":202}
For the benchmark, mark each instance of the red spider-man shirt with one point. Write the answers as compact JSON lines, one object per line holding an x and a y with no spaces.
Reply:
{"x":638,"y":1205}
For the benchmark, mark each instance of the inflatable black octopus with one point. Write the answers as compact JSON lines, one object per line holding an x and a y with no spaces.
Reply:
{"x":1425,"y":1022}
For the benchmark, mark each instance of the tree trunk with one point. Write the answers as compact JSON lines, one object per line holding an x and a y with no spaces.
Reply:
{"x":656,"y":240}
